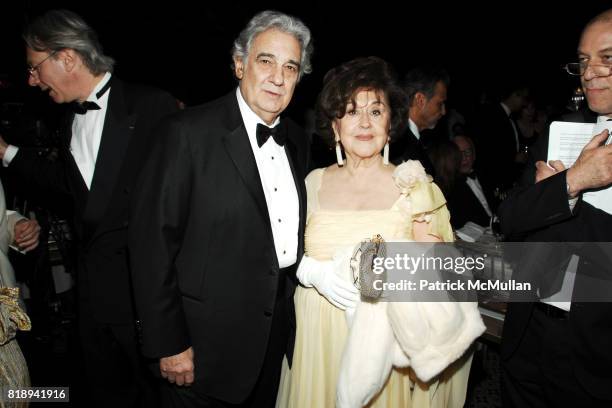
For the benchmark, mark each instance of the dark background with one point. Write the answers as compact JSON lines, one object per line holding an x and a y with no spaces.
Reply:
{"x":184,"y":47}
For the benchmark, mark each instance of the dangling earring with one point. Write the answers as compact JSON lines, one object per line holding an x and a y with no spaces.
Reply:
{"x":339,"y":154}
{"x":386,"y":154}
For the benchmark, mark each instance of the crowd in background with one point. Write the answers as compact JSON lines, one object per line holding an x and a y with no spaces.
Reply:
{"x":479,"y":157}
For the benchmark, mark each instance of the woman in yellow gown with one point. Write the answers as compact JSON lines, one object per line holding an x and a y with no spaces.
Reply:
{"x":360,"y":109}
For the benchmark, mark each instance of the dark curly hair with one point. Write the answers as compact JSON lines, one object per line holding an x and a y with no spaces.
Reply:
{"x":341,"y":85}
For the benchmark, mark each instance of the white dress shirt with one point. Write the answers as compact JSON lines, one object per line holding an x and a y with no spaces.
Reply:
{"x":278,"y":186}
{"x":414,"y":129}
{"x":87,"y":133}
{"x":476,"y":188}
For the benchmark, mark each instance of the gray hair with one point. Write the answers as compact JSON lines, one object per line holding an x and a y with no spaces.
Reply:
{"x":60,"y":29}
{"x":266,"y":20}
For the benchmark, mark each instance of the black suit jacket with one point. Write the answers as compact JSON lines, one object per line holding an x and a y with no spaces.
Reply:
{"x":496,"y":148}
{"x":464,"y":206}
{"x":100,"y":215}
{"x":408,"y":147}
{"x":205,"y":269}
{"x":540,"y":213}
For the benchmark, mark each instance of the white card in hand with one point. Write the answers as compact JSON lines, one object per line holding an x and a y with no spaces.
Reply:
{"x":566,"y":141}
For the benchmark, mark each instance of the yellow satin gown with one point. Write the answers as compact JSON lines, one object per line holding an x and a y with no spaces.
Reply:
{"x":321,"y":327}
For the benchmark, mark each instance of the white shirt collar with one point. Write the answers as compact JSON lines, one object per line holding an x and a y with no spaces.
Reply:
{"x":250,"y":118}
{"x":603,"y":118}
{"x":505,"y":108}
{"x":92,"y":96}
{"x":414,"y":128}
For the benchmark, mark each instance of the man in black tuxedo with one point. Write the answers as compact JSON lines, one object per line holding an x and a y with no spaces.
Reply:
{"x":497,"y":138}
{"x":217,"y":229}
{"x":560,"y":355}
{"x":468,"y":201}
{"x":426,"y":89}
{"x":105,"y":138}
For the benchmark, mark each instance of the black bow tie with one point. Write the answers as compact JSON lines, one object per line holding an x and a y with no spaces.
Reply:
{"x":82,"y":107}
{"x":472,"y":176}
{"x":278,"y":133}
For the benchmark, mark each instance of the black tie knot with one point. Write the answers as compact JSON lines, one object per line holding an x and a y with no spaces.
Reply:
{"x":82,"y":107}
{"x":278,"y":133}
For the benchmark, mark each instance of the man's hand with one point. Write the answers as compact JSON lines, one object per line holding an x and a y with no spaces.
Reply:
{"x":544,"y":171}
{"x":593,"y":168}
{"x":179,"y":368}
{"x":3,"y":146}
{"x":26,"y":234}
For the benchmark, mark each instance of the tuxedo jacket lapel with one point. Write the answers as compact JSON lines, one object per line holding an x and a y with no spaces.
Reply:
{"x":116,"y":134}
{"x":239,"y":149}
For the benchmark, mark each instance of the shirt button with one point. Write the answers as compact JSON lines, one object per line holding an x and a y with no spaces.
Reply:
{"x":284,"y":252}
{"x":279,"y":220}
{"x":275,"y":189}
{"x":272,"y":157}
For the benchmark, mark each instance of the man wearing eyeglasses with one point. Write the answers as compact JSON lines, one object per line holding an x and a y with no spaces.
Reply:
{"x":105,"y":136}
{"x":468,"y":201}
{"x":559,"y":354}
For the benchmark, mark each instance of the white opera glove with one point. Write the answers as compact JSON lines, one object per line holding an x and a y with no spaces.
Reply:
{"x":322,"y":276}
{"x":342,"y":265}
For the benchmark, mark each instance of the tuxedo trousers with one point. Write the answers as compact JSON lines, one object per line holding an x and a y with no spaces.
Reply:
{"x":116,"y":374}
{"x":540,"y":372}
{"x":266,"y":387}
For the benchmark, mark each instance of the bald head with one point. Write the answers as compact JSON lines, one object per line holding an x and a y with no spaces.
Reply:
{"x":595,"y":52}
{"x":603,"y":17}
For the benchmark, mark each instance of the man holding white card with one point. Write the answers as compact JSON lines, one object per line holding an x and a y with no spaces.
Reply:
{"x":560,"y":353}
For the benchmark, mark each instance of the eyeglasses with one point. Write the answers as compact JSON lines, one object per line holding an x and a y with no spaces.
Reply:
{"x":579,"y":68}
{"x":34,"y":69}
{"x":467,"y":153}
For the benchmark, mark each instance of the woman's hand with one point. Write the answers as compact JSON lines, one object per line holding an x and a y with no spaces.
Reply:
{"x":322,"y":276}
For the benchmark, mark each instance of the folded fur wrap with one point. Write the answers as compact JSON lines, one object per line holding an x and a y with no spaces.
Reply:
{"x":427,"y":336}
